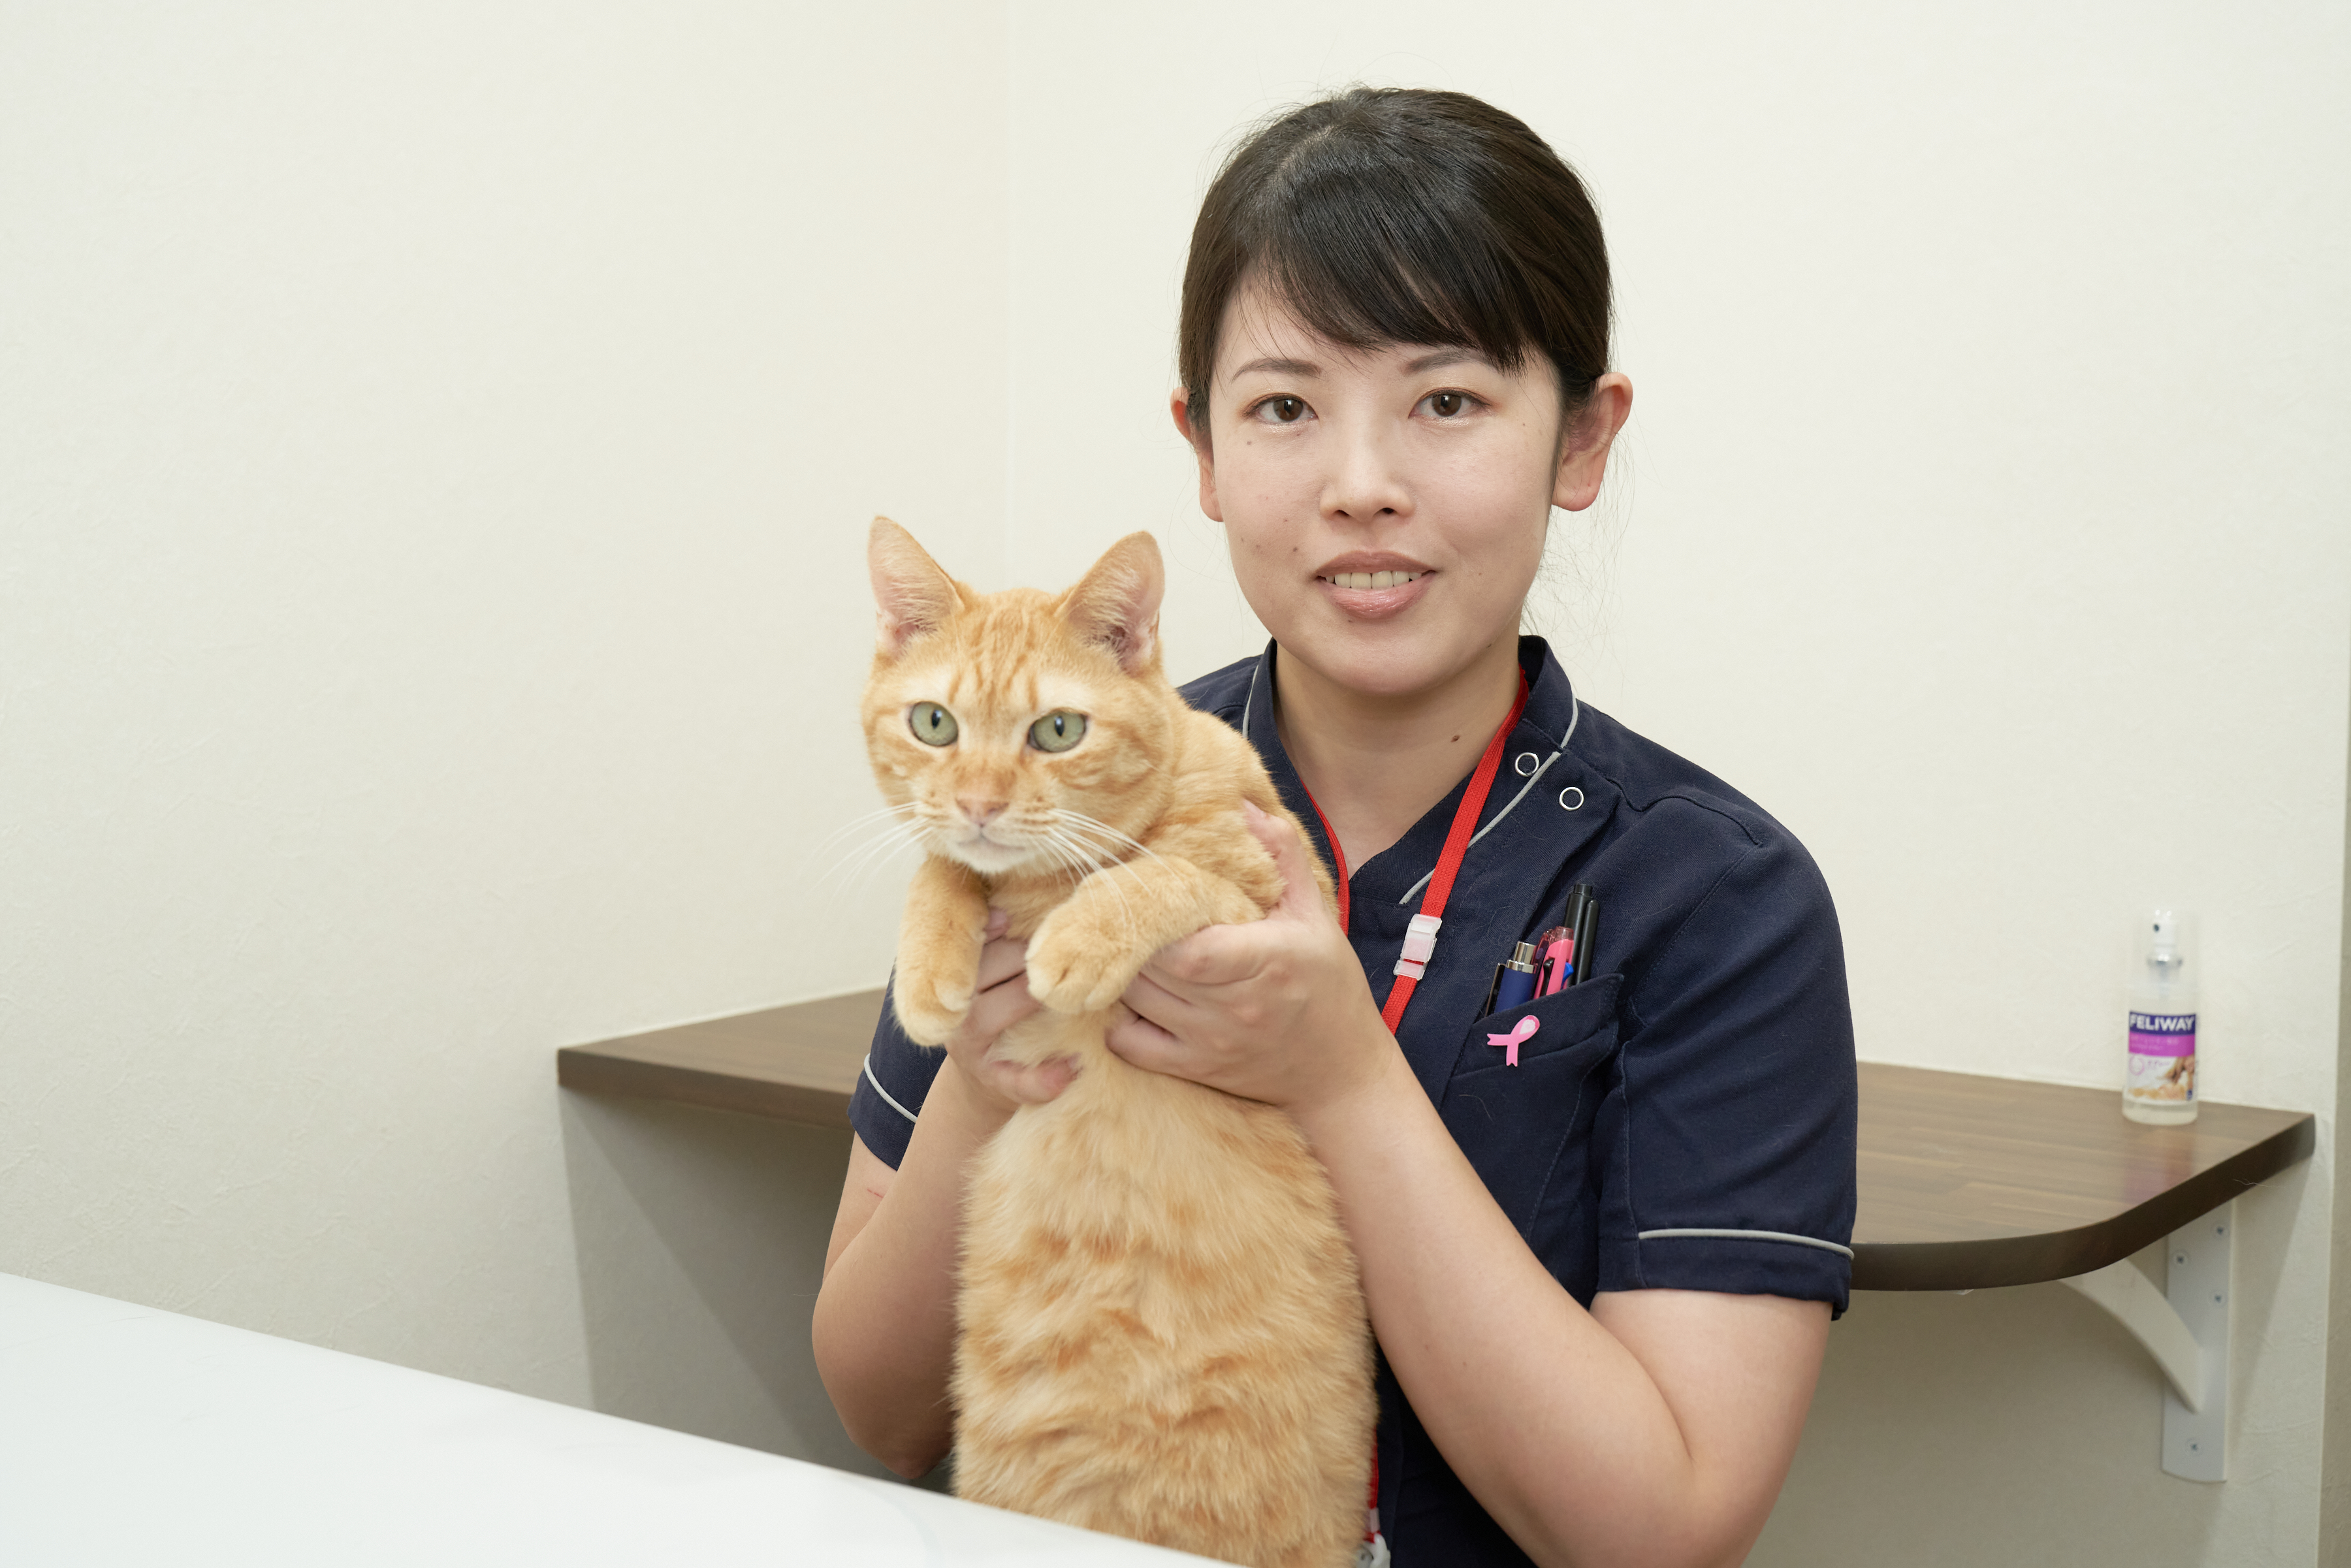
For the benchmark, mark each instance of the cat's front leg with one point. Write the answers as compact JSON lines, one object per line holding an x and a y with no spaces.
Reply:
{"x":939,"y":949}
{"x":1090,"y":948}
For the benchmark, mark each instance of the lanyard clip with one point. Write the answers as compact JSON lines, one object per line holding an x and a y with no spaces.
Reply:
{"x":1419,"y":945}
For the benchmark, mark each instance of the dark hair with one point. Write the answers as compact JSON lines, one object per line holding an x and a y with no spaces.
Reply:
{"x":1387,"y":215}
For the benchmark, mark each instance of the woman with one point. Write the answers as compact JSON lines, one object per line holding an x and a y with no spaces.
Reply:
{"x":1600,"y":1257}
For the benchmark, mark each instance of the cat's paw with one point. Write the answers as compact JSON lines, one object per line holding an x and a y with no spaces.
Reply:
{"x":1075,"y":967}
{"x":939,"y":938}
{"x":931,"y":1005}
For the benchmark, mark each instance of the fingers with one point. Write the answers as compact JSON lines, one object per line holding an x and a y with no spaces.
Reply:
{"x":1212,"y":956}
{"x":1001,"y":960}
{"x":1003,"y":1001}
{"x":1138,"y":1040}
{"x":998,"y":1009}
{"x":1036,"y":1083}
{"x":1287,"y":845}
{"x":1148,"y":998}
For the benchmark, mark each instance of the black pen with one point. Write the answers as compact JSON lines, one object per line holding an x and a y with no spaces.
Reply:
{"x":1586,"y":927}
{"x":1571,"y":918}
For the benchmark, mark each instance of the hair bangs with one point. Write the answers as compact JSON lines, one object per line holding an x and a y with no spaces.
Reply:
{"x":1369,"y":258}
{"x":1385,"y":216}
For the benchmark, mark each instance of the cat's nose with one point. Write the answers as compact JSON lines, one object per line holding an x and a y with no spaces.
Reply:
{"x":978,"y":812}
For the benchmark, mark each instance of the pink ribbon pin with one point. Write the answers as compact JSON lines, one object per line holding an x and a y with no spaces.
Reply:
{"x":1525,"y":1030}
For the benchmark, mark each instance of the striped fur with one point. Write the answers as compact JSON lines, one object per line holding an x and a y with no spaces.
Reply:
{"x":1163,"y":1333}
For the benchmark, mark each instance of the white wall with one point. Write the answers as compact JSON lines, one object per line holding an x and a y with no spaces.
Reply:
{"x":1985,"y":519}
{"x":433,"y":454}
{"x":435,"y":446}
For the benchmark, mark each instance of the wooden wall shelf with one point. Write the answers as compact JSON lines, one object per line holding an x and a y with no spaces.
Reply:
{"x":794,"y":1063}
{"x":1966,"y":1182}
{"x":1970,"y":1182}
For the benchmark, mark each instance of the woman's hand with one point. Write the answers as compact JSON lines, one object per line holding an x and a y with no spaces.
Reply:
{"x":1001,"y":1000}
{"x":1274,"y":1011}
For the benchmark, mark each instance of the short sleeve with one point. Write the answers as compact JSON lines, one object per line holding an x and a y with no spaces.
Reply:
{"x":891,"y":1088}
{"x":1723,"y":1152}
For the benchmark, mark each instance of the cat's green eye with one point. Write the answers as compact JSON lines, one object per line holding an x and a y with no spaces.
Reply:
{"x":1058,"y":730}
{"x":932,"y":724}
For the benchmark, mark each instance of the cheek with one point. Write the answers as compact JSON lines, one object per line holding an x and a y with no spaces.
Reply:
{"x":1266,"y":485}
{"x":1501,"y":509}
{"x":1269,"y":532}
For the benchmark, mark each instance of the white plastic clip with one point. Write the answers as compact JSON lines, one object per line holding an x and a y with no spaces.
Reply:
{"x":1419,"y":945}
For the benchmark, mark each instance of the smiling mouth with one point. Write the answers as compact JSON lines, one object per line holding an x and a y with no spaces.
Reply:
{"x":1360,"y":580}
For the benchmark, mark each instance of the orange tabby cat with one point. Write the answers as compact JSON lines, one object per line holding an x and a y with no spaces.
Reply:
{"x":1162,"y":1330}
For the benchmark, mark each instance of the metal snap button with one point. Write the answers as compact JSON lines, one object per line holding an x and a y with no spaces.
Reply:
{"x":1527,"y":763}
{"x":1576,"y":804}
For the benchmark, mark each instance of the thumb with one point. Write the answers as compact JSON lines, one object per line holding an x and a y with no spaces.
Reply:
{"x":1301,"y":896}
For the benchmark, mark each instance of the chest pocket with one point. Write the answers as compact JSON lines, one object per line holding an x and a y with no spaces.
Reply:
{"x":1518,"y":1125}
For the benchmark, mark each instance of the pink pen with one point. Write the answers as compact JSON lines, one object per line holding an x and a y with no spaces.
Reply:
{"x":1557,"y":948}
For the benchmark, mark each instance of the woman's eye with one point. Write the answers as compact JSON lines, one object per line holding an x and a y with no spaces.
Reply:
{"x":1281,"y":410}
{"x":1446,"y":404}
{"x":1058,"y":730}
{"x":932,"y":724}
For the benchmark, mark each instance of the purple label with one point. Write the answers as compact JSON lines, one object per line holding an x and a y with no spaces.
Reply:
{"x":2162,"y":1057}
{"x":2143,"y":1043}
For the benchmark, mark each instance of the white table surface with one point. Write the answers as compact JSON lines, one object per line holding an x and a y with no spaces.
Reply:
{"x":135,"y":1437}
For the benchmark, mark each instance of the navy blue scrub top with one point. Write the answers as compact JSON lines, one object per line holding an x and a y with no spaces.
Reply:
{"x":1682,"y":1119}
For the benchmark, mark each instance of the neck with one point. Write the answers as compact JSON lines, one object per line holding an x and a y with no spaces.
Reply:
{"x":1376,"y":763}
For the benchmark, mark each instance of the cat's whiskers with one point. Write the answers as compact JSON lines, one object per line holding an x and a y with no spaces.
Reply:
{"x":1070,"y":857}
{"x":868,"y":861}
{"x":864,"y":820}
{"x":886,"y":820}
{"x":892,"y":829}
{"x":1107,"y":860}
{"x":1103,"y":841}
{"x":1102,"y":830}
{"x":1096,"y":862}
{"x":1066,"y":859}
{"x":856,"y":861}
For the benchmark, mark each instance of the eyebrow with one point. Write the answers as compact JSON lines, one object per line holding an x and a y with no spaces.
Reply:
{"x":1435,"y":359}
{"x":1279,"y":368}
{"x":1443,"y":357}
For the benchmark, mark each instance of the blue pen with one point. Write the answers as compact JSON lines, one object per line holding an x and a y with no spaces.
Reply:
{"x":1514,"y":980}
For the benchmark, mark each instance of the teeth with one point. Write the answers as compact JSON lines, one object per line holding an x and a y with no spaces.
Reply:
{"x":1363,"y":580}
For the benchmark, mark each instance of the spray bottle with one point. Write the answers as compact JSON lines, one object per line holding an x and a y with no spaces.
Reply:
{"x":2160,"y":1083}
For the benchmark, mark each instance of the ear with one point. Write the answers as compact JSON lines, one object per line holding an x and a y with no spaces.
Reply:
{"x":1116,"y":605}
{"x":1585,"y":443}
{"x":1179,"y":403}
{"x":914,"y":595}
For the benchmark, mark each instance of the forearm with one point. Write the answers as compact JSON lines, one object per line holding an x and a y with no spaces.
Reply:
{"x":1548,"y":1418}
{"x":885,"y":1325}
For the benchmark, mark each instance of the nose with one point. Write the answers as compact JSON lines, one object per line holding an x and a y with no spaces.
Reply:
{"x":1366,"y":483}
{"x":977,"y":809}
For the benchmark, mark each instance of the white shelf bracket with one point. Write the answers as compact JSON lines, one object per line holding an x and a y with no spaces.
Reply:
{"x":2186,"y":1328}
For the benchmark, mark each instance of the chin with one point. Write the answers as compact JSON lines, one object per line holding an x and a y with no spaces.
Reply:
{"x":1385,"y":668}
{"x":985,"y":858}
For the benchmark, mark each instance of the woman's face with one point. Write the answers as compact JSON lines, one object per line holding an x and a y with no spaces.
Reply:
{"x":1386,"y":509}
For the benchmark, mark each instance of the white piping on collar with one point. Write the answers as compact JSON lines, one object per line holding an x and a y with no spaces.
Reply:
{"x":1249,"y":701}
{"x":1574,"y":717}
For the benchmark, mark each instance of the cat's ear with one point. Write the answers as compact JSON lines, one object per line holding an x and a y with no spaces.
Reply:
{"x":1116,"y":604}
{"x":911,"y":594}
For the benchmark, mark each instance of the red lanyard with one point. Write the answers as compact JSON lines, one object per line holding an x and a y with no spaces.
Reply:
{"x":1420,"y":936}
